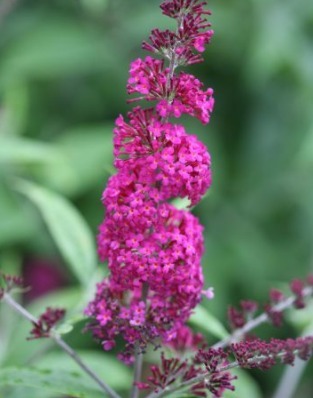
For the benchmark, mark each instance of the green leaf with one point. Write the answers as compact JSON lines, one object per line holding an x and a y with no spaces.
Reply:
{"x":67,"y":227}
{"x":304,"y":155}
{"x":16,"y":224}
{"x":181,"y":203}
{"x":245,"y":386}
{"x":107,"y":367}
{"x":302,"y":320}
{"x":16,"y":102}
{"x":207,"y":322}
{"x":26,"y":151}
{"x":95,"y":6}
{"x":54,"y":46}
{"x":58,"y":381}
{"x":72,"y":175}
{"x":184,"y":203}
{"x":26,"y":392}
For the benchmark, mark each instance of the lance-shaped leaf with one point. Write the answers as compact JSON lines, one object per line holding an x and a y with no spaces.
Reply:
{"x":208,"y":322}
{"x":59,"y":382}
{"x":67,"y":227}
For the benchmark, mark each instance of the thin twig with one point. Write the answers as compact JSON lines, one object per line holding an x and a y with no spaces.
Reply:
{"x":137,"y":373}
{"x":61,"y":343}
{"x":138,"y":354}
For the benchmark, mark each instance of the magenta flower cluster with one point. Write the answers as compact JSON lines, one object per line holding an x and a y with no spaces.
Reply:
{"x":153,"y":249}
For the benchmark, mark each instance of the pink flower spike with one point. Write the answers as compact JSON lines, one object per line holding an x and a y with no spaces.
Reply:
{"x":153,"y":250}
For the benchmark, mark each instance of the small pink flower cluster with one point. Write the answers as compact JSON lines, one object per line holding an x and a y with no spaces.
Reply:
{"x":153,"y":249}
{"x":181,"y":94}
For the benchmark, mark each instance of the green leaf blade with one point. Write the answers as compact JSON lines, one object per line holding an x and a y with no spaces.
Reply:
{"x":60,"y":382}
{"x":207,"y":322}
{"x":67,"y":227}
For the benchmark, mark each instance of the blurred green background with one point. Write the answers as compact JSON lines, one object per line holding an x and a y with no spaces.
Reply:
{"x":63,"y":70}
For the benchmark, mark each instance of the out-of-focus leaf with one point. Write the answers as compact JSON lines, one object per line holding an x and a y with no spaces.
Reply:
{"x":16,"y":104}
{"x":304,"y":156}
{"x":65,"y":328}
{"x":278,"y":39}
{"x":107,"y":367}
{"x":181,"y":203}
{"x":25,"y":392}
{"x":55,"y":46}
{"x":15,"y":223}
{"x":245,"y":386}
{"x":26,"y":151}
{"x":207,"y":322}
{"x":302,"y":320}
{"x":87,"y":159}
{"x":68,"y":229}
{"x":66,"y":298}
{"x":95,"y":6}
{"x":61,"y":382}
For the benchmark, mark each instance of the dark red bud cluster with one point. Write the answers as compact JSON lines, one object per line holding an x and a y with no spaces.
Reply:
{"x":275,"y":317}
{"x":263,"y":355}
{"x":46,"y":322}
{"x":191,"y":36}
{"x":238,"y":317}
{"x":9,"y":282}
{"x":297,"y":286}
{"x":206,"y":363}
{"x":165,"y":374}
{"x":175,"y":8}
{"x":209,"y":369}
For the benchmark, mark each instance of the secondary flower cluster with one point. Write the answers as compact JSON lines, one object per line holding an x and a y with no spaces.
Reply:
{"x":9,"y":282}
{"x":205,"y":372}
{"x":210,"y":369}
{"x":238,"y":318}
{"x":264,"y":355}
{"x":192,"y":33}
{"x":47,"y":320}
{"x":153,"y":249}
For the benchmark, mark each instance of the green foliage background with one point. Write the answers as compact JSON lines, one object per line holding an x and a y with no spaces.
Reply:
{"x":63,"y":70}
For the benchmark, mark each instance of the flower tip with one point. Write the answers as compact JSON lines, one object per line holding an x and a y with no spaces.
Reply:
{"x":208,"y":293}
